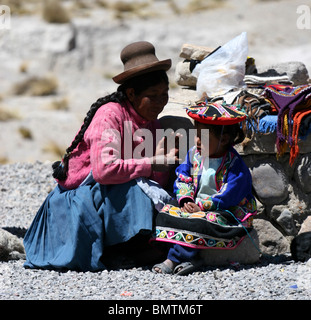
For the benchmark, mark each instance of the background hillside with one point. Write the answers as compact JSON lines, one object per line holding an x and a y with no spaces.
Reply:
{"x":58,"y":57}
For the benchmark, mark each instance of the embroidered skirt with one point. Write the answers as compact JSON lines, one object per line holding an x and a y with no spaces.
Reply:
{"x":72,"y":227}
{"x":200,"y":230}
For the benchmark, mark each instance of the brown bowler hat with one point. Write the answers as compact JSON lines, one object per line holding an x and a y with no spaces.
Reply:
{"x":139,"y":58}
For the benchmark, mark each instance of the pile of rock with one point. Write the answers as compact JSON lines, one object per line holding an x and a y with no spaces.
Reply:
{"x":183,"y":75}
{"x":295,"y":70}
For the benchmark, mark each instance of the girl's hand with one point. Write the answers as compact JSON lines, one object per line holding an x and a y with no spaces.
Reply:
{"x":163,"y":158}
{"x":191,"y":207}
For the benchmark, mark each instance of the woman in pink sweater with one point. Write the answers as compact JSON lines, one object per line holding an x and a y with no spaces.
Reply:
{"x":97,"y":202}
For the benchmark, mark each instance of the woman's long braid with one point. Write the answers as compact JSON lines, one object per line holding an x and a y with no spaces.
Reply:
{"x":60,"y":168}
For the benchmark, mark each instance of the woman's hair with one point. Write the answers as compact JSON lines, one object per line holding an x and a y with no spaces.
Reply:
{"x":139,"y":84}
{"x":234,"y":131}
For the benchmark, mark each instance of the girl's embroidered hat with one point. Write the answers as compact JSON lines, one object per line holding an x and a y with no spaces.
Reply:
{"x":216,"y":113}
{"x":139,"y":58}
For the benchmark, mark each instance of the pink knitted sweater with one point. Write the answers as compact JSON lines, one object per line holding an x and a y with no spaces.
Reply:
{"x":102,"y":148}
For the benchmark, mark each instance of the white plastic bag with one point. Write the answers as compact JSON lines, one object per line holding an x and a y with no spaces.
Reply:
{"x":224,"y":69}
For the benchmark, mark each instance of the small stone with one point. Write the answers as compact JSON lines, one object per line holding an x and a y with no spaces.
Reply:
{"x":286,"y":221}
{"x":183,"y":76}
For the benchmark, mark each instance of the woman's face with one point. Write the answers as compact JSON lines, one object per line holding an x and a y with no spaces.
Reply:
{"x":149,"y":103}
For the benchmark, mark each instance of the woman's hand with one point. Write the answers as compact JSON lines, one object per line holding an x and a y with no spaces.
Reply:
{"x":191,"y":207}
{"x":164,"y":158}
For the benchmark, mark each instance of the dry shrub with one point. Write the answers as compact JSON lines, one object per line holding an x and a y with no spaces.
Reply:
{"x":174,"y":7}
{"x":54,"y":12}
{"x":202,"y":5}
{"x":22,"y":7}
{"x":102,"y":3}
{"x":16,"y":6}
{"x":61,"y":104}
{"x":25,"y":132}
{"x":36,"y":86}
{"x":123,"y":7}
{"x":7,"y":115}
{"x":4,"y":160}
{"x":23,"y":68}
{"x":54,"y":148}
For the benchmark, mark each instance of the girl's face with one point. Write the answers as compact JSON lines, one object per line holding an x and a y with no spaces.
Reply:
{"x":149,"y":103}
{"x":213,"y":146}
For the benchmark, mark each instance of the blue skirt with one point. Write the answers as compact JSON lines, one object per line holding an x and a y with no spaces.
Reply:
{"x":72,"y":227}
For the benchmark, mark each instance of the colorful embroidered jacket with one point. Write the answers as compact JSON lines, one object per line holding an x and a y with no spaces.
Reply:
{"x":233,"y":183}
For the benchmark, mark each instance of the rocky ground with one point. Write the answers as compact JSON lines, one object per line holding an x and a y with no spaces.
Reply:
{"x":23,"y":189}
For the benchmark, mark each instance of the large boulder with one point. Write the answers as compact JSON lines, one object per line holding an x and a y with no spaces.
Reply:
{"x":295,"y":70}
{"x":271,"y":240}
{"x":270,"y":182}
{"x":11,"y":247}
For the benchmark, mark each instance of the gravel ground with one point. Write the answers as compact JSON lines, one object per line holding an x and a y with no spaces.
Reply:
{"x":23,"y":188}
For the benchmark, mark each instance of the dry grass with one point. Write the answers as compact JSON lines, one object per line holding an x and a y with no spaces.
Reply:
{"x":7,"y":115}
{"x":53,"y":148}
{"x":16,"y":6}
{"x":54,"y":12}
{"x":102,"y":3}
{"x":23,"y":68}
{"x":122,"y":8}
{"x":174,"y":7}
{"x":59,"y":104}
{"x":21,"y":7}
{"x":36,"y":86}
{"x":25,"y":133}
{"x":202,"y":5}
{"x":4,"y":160}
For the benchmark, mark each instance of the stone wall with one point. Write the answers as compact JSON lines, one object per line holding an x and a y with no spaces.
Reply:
{"x":283,"y":192}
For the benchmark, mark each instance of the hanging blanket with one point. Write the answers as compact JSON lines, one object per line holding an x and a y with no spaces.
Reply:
{"x":292,"y":105}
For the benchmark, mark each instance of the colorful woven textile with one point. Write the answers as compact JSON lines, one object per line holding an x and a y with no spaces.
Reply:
{"x":216,"y":113}
{"x":292,"y":105}
{"x":200,"y":230}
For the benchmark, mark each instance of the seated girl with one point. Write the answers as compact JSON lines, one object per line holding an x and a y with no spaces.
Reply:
{"x":214,"y":204}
